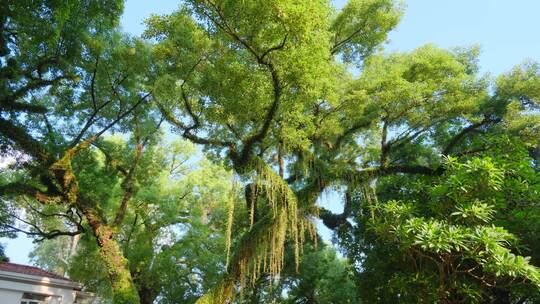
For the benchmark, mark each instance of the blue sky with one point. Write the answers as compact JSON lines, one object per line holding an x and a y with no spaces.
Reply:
{"x":507,"y":32}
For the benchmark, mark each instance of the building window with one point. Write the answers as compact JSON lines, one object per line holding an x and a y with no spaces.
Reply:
{"x":30,"y":298}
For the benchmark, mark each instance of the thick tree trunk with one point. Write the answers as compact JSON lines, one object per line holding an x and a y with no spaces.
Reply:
{"x":124,"y":291}
{"x":146,"y":294}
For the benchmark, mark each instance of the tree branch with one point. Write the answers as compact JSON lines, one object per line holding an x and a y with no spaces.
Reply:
{"x":261,"y":59}
{"x":334,"y":221}
{"x":121,"y":116}
{"x":10,"y":103}
{"x":21,"y":138}
{"x":17,"y":188}
{"x":187,"y":132}
{"x":128,"y":182}
{"x":466,"y":131}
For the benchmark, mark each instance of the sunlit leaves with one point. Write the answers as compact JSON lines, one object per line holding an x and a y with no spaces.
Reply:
{"x":454,"y":228}
{"x":362,"y":25}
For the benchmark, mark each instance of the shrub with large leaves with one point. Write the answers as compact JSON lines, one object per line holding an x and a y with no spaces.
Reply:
{"x":448,"y":242}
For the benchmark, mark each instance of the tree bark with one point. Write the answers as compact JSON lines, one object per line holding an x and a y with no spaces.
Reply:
{"x":146,"y":294}
{"x":124,"y":290}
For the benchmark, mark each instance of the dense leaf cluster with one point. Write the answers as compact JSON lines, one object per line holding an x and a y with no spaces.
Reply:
{"x":436,"y":165}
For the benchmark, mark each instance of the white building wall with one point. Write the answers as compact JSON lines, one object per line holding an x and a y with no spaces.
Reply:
{"x":9,"y":296}
{"x":11,"y":292}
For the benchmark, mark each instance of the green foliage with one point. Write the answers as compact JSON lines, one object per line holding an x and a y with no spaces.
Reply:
{"x":361,"y":26}
{"x":43,"y":42}
{"x":323,"y":278}
{"x":218,"y":58}
{"x":53,"y":255}
{"x":3,"y":257}
{"x":438,"y":164}
{"x":447,"y":242}
{"x":172,"y":236}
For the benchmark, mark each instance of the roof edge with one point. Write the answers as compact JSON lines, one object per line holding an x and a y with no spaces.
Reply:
{"x":16,"y":276}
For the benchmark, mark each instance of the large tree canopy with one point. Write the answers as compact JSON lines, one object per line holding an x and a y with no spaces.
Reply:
{"x":270,"y":89}
{"x":436,"y":165}
{"x":67,"y":78}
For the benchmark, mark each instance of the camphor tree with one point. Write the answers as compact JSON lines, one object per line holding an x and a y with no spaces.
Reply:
{"x":473,"y":258}
{"x":173,"y":233}
{"x":266,"y":85}
{"x":250,"y":81}
{"x":67,"y":78}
